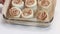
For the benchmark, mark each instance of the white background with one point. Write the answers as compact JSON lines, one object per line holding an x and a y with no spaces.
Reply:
{"x":16,"y":29}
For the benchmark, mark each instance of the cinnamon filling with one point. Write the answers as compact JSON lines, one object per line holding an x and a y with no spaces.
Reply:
{"x":42,"y":16}
{"x":27,"y":12}
{"x":17,"y":1}
{"x":29,"y":2}
{"x":14,"y":12}
{"x":43,"y":3}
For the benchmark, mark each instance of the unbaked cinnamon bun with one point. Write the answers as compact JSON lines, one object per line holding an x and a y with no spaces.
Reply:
{"x":27,"y":13}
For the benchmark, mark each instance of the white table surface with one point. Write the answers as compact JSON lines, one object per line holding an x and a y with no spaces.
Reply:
{"x":17,"y":29}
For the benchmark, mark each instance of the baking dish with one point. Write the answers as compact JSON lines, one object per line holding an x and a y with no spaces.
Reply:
{"x":29,"y":12}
